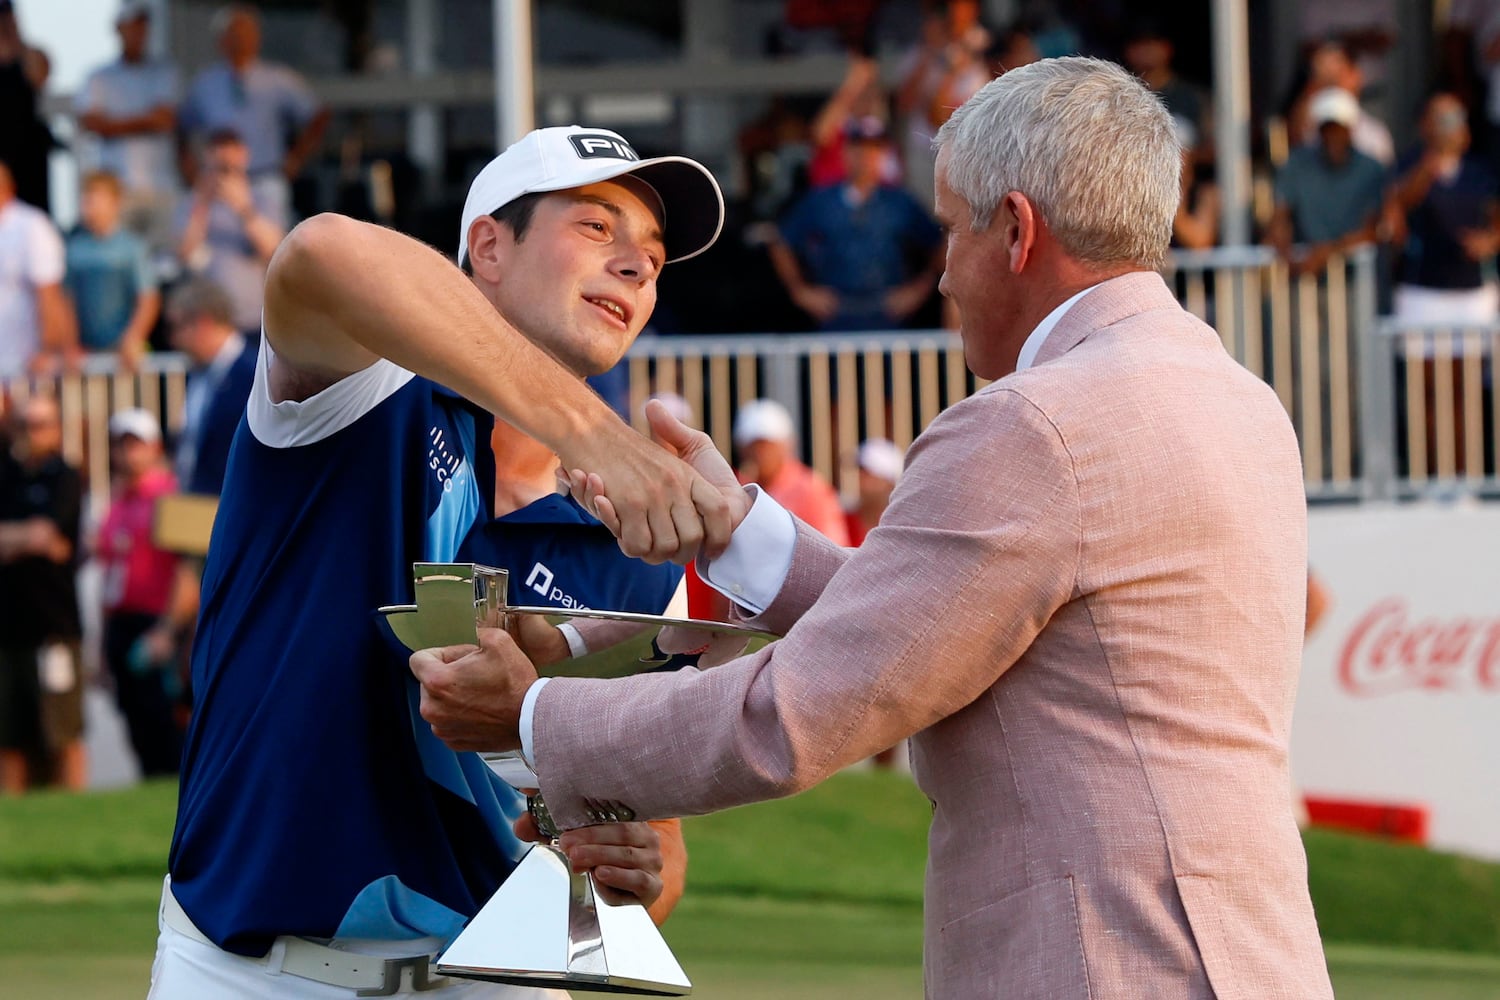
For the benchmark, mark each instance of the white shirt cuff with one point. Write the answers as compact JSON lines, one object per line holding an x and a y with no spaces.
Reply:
{"x":528,"y":709}
{"x":577,"y":644}
{"x":753,"y":568}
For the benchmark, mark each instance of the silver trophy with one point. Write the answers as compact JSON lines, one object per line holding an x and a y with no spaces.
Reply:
{"x":547,"y":926}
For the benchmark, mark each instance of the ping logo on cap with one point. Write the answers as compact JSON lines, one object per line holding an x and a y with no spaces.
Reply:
{"x":601,"y":147}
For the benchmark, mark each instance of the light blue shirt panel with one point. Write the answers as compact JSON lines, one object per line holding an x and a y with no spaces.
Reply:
{"x":125,"y":90}
{"x":387,"y":910}
{"x":464,"y":774}
{"x":460,"y":507}
{"x":468,"y":777}
{"x":1328,"y":202}
{"x":264,"y":104}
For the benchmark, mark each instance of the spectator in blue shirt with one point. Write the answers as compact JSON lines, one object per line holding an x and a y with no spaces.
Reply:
{"x":859,"y":255}
{"x":1448,"y":204}
{"x":130,"y":106}
{"x":109,"y":275}
{"x":262,"y":102}
{"x":1329,"y":196}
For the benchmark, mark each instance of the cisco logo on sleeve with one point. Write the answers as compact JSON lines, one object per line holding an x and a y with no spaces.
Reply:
{"x":445,"y":461}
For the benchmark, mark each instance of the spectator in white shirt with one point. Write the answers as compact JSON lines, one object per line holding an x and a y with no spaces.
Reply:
{"x":130,"y":106}
{"x":37,"y":333}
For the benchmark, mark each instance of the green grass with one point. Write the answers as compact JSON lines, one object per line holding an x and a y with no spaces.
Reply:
{"x":815,"y":897}
{"x":1376,"y":892}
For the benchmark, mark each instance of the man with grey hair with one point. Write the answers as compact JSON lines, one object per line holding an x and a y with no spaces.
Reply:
{"x":1084,"y":604}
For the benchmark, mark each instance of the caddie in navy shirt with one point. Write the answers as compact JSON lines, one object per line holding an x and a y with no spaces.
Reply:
{"x":319,"y":820}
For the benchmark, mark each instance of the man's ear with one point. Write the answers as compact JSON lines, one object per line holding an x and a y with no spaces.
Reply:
{"x":1020,"y":224}
{"x":489,"y":245}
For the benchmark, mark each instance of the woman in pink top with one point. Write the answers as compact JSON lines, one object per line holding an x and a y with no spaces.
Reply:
{"x":136,"y":587}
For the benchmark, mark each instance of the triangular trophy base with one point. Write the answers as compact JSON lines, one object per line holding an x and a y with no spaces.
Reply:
{"x":548,"y":927}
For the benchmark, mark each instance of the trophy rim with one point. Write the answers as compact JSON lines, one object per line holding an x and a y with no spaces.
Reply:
{"x":633,"y":617}
{"x":641,"y":618}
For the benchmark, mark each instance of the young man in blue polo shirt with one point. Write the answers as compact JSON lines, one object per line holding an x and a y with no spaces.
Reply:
{"x":322,"y":830}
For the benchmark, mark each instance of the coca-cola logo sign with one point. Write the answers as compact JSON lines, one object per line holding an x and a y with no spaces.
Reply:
{"x":1388,"y":651}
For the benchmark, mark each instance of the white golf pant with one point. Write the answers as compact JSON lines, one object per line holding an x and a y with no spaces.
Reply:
{"x":190,"y":969}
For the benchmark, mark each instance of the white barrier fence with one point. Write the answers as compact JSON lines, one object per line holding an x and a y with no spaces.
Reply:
{"x":1446,"y":415}
{"x":1381,"y":410}
{"x":86,"y":399}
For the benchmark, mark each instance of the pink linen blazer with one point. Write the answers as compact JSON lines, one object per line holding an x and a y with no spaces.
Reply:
{"x":1085,"y":601}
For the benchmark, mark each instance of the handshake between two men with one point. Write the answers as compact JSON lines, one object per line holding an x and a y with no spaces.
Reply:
{"x":473,"y":696}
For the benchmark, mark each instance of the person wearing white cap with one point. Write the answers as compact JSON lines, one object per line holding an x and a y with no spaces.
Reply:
{"x":137,"y":585}
{"x":1333,"y":66}
{"x":130,"y":108}
{"x":880,"y":464}
{"x":316,"y":803}
{"x":1329,"y":196}
{"x":767,"y":443}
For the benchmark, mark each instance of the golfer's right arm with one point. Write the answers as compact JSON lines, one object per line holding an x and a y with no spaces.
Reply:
{"x":340,"y":293}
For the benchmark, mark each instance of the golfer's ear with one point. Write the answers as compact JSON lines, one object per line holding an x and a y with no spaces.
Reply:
{"x":488,"y":242}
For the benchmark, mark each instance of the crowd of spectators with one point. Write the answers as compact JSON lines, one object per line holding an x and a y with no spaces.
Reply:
{"x":147,"y":591}
{"x":1334,"y":173}
{"x":176,"y":183}
{"x":201,"y":168}
{"x":185,"y":192}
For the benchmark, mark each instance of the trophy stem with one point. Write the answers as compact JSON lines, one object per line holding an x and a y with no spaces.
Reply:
{"x":542,"y":817}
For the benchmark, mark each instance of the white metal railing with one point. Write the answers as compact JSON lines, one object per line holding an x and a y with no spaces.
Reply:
{"x":840,"y":389}
{"x":86,"y":399}
{"x":1301,"y":335}
{"x":1381,"y":409}
{"x":1443,"y":424}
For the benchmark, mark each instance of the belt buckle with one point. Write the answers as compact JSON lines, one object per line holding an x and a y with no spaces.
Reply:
{"x":419,"y":966}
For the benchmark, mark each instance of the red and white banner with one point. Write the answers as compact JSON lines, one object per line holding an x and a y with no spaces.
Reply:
{"x":1399,"y":703}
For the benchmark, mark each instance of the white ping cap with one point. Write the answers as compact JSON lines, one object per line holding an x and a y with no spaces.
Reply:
{"x":132,"y":9}
{"x":880,"y":457}
{"x":763,"y":420}
{"x":1333,"y":104}
{"x":569,"y":156}
{"x":137,"y":424}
